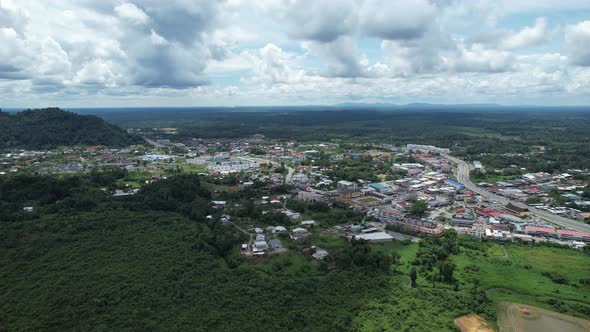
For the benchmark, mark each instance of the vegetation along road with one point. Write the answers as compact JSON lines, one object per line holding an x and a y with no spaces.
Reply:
{"x":463,"y":176}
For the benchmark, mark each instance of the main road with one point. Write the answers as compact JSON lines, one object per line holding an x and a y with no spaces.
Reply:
{"x":463,"y":170}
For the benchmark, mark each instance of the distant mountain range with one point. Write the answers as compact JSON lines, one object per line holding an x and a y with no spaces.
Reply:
{"x":52,"y":127}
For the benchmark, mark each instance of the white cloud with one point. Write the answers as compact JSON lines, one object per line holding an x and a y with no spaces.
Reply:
{"x":528,"y":36}
{"x":577,"y":38}
{"x":397,"y":19}
{"x":97,"y":72}
{"x":132,"y":12}
{"x":291,"y":50}
{"x":323,"y":21}
{"x":478,"y":59}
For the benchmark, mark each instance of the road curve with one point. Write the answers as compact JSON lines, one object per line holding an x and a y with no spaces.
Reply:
{"x":462,"y":174}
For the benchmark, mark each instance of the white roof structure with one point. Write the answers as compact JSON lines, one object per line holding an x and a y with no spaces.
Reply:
{"x":377,"y":236}
{"x":279,"y":229}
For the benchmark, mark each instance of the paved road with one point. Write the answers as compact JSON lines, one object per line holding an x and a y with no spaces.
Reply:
{"x":289,"y":178}
{"x":463,"y":170}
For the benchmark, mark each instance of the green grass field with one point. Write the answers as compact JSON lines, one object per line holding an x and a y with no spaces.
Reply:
{"x":407,"y":252}
{"x":520,"y":276}
{"x":367,"y":200}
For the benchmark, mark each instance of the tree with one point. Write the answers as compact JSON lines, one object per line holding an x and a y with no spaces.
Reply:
{"x":434,"y":276}
{"x":534,"y":200}
{"x":447,"y":268}
{"x":413,"y":276}
{"x":418,"y":208}
{"x":395,"y":259}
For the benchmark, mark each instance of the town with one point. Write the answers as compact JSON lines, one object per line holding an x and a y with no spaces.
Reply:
{"x":378,"y":193}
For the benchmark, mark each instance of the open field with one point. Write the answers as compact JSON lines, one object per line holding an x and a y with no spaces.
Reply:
{"x":406,"y":251}
{"x":523,"y":318}
{"x":367,"y":200}
{"x":552,"y":278}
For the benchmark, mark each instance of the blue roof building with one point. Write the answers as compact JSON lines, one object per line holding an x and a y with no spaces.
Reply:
{"x":454,"y":183}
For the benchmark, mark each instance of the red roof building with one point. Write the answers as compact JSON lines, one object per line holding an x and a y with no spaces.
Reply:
{"x":488,"y":212}
{"x":568,"y":234}
{"x":547,"y":231}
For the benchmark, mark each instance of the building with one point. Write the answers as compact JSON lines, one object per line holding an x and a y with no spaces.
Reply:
{"x":454,"y":183}
{"x":344,"y":186}
{"x":388,"y":215}
{"x":462,"y":220}
{"x":541,"y":231}
{"x":319,"y":253}
{"x":426,"y":148}
{"x":565,"y":234}
{"x":309,"y":223}
{"x":310,"y":196}
{"x":518,"y":211}
{"x":381,"y":187}
{"x":299,"y":233}
{"x":259,"y":246}
{"x":375,"y":237}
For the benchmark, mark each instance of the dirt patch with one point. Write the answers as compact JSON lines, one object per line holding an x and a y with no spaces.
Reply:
{"x":472,"y":323}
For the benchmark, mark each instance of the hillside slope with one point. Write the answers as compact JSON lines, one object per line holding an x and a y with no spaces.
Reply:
{"x":51,"y":127}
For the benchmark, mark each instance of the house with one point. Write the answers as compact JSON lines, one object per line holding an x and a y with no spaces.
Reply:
{"x":219,"y":204}
{"x":279,"y":229}
{"x":259,"y":246}
{"x":309,"y":223}
{"x":319,"y":253}
{"x":299,"y":233}
{"x":276,"y":245}
{"x":582,"y":215}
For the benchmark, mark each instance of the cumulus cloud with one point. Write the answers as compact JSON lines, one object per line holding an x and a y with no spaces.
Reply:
{"x":322,"y":21}
{"x":577,"y":38}
{"x":341,"y":56}
{"x":289,"y":49}
{"x":397,"y":19}
{"x":273,"y":66}
{"x":478,"y":59}
{"x":131,"y":12}
{"x":528,"y":36}
{"x":14,"y":55}
{"x":13,"y":17}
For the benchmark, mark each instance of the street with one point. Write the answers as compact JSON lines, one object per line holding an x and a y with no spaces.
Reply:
{"x":463,"y":170}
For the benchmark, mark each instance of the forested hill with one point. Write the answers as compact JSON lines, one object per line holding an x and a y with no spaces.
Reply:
{"x":51,"y":127}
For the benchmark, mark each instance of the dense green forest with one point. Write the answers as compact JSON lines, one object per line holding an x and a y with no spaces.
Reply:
{"x":84,"y":260}
{"x":52,"y":127}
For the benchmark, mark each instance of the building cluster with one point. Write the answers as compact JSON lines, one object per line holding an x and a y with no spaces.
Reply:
{"x":540,"y":190}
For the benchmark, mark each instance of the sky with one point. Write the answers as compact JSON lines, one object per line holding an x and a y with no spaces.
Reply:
{"x":118,"y":53}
